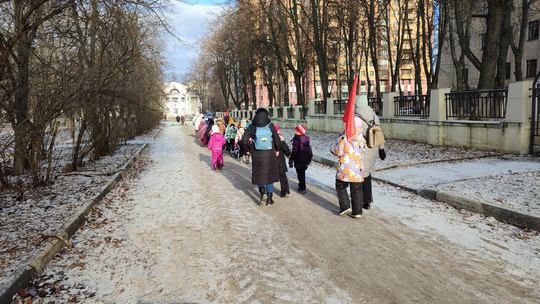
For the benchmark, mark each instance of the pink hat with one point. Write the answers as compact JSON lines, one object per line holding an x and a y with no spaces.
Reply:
{"x":301,"y":129}
{"x":277,"y":128}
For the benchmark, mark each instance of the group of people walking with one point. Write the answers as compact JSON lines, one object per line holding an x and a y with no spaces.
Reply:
{"x":261,"y":141}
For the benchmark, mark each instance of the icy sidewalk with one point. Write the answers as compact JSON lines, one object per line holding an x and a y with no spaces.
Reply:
{"x":506,"y":188}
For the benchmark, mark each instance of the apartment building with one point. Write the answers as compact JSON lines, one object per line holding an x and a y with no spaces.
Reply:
{"x":397,"y":48}
{"x":531,"y":51}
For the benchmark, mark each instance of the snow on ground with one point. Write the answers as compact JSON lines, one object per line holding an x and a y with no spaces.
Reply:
{"x":26,"y":224}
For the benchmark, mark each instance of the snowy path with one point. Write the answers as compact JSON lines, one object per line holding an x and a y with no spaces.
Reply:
{"x":185,"y":233}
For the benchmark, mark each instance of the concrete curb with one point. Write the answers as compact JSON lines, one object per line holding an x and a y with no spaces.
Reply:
{"x":22,"y":277}
{"x":508,"y":216}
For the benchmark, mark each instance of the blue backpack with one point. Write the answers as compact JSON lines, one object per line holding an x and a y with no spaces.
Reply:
{"x":263,"y":138}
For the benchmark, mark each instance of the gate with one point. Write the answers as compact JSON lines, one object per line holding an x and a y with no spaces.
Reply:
{"x":535,"y":117}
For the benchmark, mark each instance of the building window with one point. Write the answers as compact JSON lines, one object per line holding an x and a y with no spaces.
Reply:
{"x":533,"y":30}
{"x":531,"y":68}
{"x":507,"y":69}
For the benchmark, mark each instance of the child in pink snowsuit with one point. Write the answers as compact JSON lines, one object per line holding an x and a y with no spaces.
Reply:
{"x":216,"y":143}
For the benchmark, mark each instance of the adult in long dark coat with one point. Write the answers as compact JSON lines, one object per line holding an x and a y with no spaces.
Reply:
{"x":264,"y":162}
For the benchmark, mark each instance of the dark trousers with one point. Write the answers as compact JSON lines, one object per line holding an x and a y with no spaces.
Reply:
{"x":301,"y":178}
{"x":284,"y":183}
{"x":343,"y":196}
{"x":367,"y":191}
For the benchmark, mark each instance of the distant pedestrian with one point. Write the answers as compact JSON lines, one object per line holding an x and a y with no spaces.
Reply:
{"x":197,"y":124}
{"x":177,"y":118}
{"x":242,"y":150}
{"x":366,"y":113}
{"x":284,"y":151}
{"x":350,"y":171}
{"x":203,"y":126}
{"x":230,"y":135}
{"x":301,"y":156}
{"x":215,"y":144}
{"x":263,"y":153}
{"x":221,"y":124}
{"x":183,"y":119}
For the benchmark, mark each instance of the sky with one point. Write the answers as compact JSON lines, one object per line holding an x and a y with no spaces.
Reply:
{"x":189,"y":21}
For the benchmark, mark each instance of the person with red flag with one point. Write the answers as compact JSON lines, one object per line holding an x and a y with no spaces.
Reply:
{"x":350,"y":151}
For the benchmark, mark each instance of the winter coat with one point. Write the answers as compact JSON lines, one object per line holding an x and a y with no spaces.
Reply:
{"x":299,"y":157}
{"x":197,"y":121}
{"x":351,"y":156}
{"x":230,"y":132}
{"x":283,"y":151}
{"x":370,"y":154}
{"x":263,"y":163}
{"x":221,"y":125}
{"x":202,"y":131}
{"x":217,"y":141}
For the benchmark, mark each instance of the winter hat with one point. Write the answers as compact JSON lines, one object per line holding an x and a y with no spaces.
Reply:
{"x":361,"y":101}
{"x":215,"y":129}
{"x":301,"y":129}
{"x":277,"y":128}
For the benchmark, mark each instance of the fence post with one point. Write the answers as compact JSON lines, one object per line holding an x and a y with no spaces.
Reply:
{"x":437,"y":107}
{"x":518,"y":106}
{"x":311,"y":107}
{"x":330,"y":106}
{"x":388,"y":104}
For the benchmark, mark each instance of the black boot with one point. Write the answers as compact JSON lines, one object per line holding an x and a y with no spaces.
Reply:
{"x":269,"y":200}
{"x":264,"y":197}
{"x":367,"y":193}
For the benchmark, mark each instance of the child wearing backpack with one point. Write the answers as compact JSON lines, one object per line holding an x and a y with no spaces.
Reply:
{"x":215,"y":144}
{"x":301,"y":156}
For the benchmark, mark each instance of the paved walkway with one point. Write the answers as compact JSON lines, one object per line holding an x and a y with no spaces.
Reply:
{"x":302,"y":234}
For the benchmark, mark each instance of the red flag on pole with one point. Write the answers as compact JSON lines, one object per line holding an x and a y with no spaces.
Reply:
{"x":348,"y":117}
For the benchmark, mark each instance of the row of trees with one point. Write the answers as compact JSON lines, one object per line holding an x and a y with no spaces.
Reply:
{"x":276,"y":40}
{"x":93,"y":66}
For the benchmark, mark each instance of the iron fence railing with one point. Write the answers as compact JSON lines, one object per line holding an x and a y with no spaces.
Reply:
{"x":303,"y":112}
{"x":376,"y":104}
{"x":412,"y":106}
{"x":271,"y":112}
{"x":320,"y":107}
{"x":290,"y":112}
{"x":340,"y":105}
{"x":476,"y":105}
{"x":280,"y":112}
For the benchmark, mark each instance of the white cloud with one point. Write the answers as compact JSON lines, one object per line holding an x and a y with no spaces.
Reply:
{"x":189,"y":23}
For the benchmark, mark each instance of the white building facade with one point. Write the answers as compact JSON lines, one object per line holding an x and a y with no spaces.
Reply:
{"x":180,"y":101}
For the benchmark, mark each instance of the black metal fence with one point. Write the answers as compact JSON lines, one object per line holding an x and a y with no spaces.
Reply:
{"x":340,"y":105}
{"x":303,"y":112}
{"x":535,"y":117}
{"x":280,"y":112}
{"x":414,"y":106}
{"x":476,"y":105}
{"x":320,"y":107}
{"x":376,"y":104}
{"x":290,"y":112}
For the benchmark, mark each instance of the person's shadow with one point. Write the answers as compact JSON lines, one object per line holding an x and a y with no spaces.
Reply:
{"x":239,"y":175}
